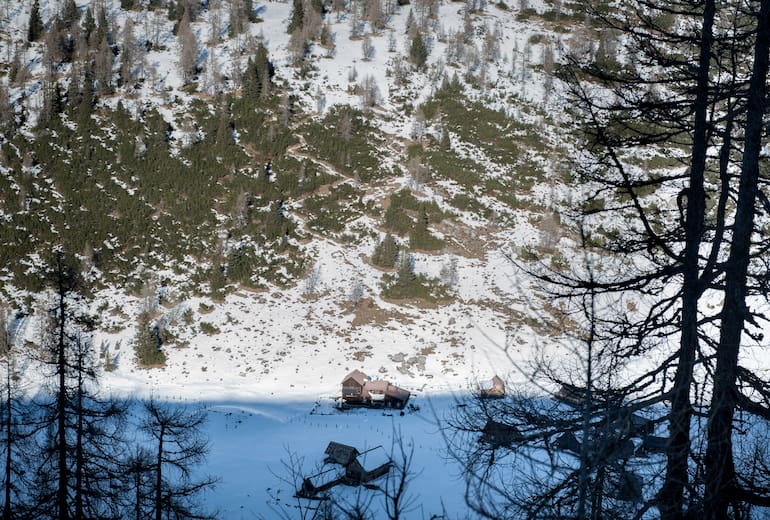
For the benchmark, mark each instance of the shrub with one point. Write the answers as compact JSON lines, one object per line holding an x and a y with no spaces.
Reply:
{"x":385,"y":252}
{"x":208,"y":328}
{"x":407,"y":284}
{"x":147,"y":343}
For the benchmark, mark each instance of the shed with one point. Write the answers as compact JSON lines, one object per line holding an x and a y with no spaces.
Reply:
{"x":495,"y":387}
{"x":340,"y":453}
{"x":499,"y":434}
{"x":568,"y":442}
{"x":654,"y":444}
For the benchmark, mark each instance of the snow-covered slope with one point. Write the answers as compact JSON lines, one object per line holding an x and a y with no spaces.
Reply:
{"x":292,"y":342}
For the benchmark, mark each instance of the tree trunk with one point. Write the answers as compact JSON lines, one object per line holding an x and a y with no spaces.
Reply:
{"x":61,"y":397}
{"x":79,"y":458}
{"x":8,"y":426}
{"x":159,"y":477}
{"x":721,"y":485}
{"x":671,"y":498}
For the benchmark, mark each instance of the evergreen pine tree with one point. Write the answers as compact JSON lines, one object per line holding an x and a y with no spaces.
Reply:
{"x":386,"y":252}
{"x":420,"y":236}
{"x":147,"y":342}
{"x":248,"y":7}
{"x":446,"y":142}
{"x":89,"y":24}
{"x":69,"y":14}
{"x":35,"y":29}
{"x":102,"y":26}
{"x":418,"y":52}
{"x":297,"y":16}
{"x":257,"y":80}
{"x":406,"y":275}
{"x":173,"y":15}
{"x":6,"y":111}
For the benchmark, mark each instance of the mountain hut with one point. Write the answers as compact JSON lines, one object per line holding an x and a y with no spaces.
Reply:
{"x":339,"y":453}
{"x":494,"y":388}
{"x":358,"y":388}
{"x":353,"y":387}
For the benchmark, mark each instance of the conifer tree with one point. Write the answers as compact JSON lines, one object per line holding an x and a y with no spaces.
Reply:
{"x":12,"y":417}
{"x":102,"y":26}
{"x":69,"y":14}
{"x":89,"y":24}
{"x":188,"y":57}
{"x":178,"y":446}
{"x":386,"y":252}
{"x":35,"y":28}
{"x":406,"y":275}
{"x":78,"y":466}
{"x":257,"y":80}
{"x":248,"y":8}
{"x":418,"y":51}
{"x":297,"y":16}
{"x":6,"y":111}
{"x":147,"y":342}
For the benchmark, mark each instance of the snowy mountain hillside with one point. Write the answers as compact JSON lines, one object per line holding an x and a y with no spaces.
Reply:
{"x":513,"y":255}
{"x":229,"y":174}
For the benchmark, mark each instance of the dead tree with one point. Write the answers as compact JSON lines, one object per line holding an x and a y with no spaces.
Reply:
{"x":690,"y":92}
{"x":399,"y":500}
{"x":14,"y":417}
{"x":722,"y":487}
{"x":179,"y":448}
{"x":79,"y":435}
{"x":530,"y":456}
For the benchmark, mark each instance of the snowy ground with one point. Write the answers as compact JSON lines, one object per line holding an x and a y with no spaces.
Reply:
{"x":270,"y":356}
{"x":251,"y":440}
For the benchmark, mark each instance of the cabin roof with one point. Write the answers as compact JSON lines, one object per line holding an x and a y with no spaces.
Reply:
{"x":357,"y":376}
{"x":341,"y":453}
{"x":384,"y":387}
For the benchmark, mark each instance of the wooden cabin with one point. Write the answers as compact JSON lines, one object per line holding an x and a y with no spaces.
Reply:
{"x":494,"y":388}
{"x":353,"y":386}
{"x":498,"y":434}
{"x":341,"y":454}
{"x":358,"y":388}
{"x":568,"y":442}
{"x":576,"y":396}
{"x":355,"y":473}
{"x":653,"y":444}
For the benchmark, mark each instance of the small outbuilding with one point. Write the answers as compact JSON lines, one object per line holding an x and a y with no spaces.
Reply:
{"x":653,"y":444}
{"x":498,"y":434}
{"x":494,"y":388}
{"x":341,"y":454}
{"x":576,"y":396}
